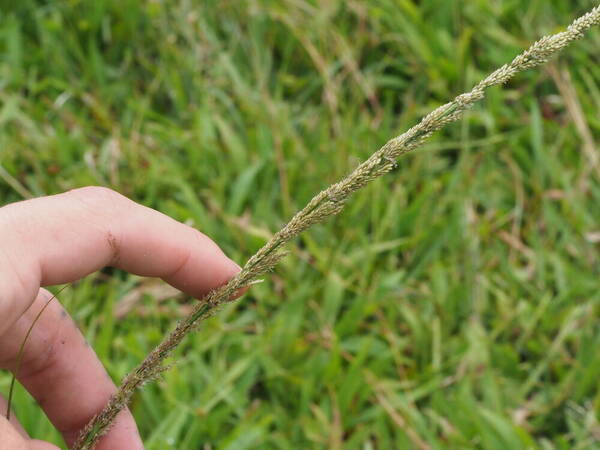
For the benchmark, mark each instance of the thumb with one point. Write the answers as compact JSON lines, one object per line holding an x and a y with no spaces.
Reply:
{"x":13,"y":437}
{"x":10,"y":438}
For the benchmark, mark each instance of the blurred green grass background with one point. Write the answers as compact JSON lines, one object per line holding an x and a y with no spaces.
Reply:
{"x":453,"y":305}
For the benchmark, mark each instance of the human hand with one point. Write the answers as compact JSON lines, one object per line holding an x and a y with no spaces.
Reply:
{"x":60,"y":239}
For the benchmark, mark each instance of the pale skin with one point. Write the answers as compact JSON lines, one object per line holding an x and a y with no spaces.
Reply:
{"x":60,"y":239}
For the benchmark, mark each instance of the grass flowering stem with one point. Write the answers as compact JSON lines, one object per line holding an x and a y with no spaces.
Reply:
{"x":325,"y":204}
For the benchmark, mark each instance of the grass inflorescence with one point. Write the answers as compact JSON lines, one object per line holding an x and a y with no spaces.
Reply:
{"x":326,"y":204}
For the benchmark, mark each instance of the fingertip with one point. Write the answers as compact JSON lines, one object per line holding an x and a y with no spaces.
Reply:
{"x":234,"y":268}
{"x":240,"y":292}
{"x":231,"y":271}
{"x":237,"y":267}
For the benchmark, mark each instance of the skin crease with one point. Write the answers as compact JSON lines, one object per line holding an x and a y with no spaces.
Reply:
{"x":60,"y":239}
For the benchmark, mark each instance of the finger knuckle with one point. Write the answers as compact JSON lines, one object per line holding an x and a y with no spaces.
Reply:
{"x":97,"y":195}
{"x":18,"y":291}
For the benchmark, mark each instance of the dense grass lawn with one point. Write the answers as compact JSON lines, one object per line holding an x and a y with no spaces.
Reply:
{"x":455,"y":304}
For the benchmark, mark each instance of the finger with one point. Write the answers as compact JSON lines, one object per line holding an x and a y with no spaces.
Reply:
{"x":61,"y":238}
{"x":14,"y":437}
{"x":13,"y":420}
{"x":63,"y":374}
{"x":11,"y":439}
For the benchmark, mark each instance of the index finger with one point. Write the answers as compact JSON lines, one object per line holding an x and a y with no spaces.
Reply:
{"x":61,"y":238}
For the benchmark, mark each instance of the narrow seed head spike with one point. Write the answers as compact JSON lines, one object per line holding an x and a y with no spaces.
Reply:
{"x":330,"y":202}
